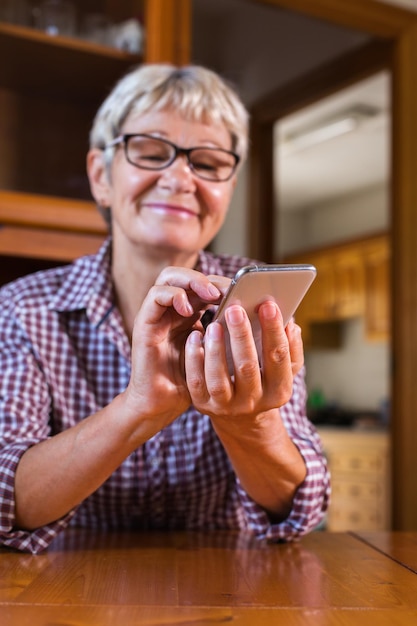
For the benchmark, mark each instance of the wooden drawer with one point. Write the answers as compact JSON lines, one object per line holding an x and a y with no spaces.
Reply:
{"x":356,"y":518}
{"x":366,"y":461}
{"x":359,"y":467}
{"x":354,"y":490}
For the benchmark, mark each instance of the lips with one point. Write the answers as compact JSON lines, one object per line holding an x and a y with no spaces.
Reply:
{"x":165,"y":207}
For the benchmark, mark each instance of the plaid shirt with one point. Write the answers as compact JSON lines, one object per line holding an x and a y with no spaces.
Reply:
{"x":63,"y":356}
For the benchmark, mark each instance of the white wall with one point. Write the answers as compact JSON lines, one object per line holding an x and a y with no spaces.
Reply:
{"x":357,"y":375}
{"x":362,"y":213}
{"x":232,"y":238}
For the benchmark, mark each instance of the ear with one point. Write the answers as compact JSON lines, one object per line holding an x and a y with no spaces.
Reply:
{"x":98,"y":177}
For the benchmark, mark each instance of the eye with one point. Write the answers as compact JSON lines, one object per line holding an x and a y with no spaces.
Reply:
{"x":158,"y":158}
{"x":218,"y":164}
{"x":201,"y":165}
{"x":206,"y":160}
{"x":144,"y":150}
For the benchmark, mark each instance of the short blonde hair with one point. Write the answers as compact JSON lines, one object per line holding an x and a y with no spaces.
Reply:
{"x":196,"y":92}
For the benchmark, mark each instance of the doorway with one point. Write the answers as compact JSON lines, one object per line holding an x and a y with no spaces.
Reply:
{"x":384,"y":37}
{"x":332,"y":186}
{"x":393,"y":47}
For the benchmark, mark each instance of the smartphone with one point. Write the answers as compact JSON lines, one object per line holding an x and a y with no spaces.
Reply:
{"x":254,"y":284}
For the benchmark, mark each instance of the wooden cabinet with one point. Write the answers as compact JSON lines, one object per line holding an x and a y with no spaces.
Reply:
{"x":339,"y":291}
{"x":377,"y":285}
{"x":359,"y":467}
{"x":322,"y":295}
{"x":50,"y":89}
{"x":352,"y":280}
{"x":349,"y":281}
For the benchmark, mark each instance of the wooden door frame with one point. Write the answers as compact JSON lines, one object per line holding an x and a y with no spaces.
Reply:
{"x":396,"y":30}
{"x":312,"y":87}
{"x":169,"y":21}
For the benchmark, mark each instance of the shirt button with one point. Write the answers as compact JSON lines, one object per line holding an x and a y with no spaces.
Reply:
{"x":155,"y":461}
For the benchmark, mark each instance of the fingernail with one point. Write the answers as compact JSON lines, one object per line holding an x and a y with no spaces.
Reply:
{"x":234,"y":315}
{"x":214,"y":331}
{"x":213,"y":291}
{"x":195,"y":338}
{"x":269,"y":310}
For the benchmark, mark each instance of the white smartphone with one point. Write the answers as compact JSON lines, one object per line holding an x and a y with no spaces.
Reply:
{"x":254,"y":284}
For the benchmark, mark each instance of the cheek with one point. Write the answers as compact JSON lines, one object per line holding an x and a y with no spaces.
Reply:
{"x":132,"y":182}
{"x":217,"y":199}
{"x":125,"y":175}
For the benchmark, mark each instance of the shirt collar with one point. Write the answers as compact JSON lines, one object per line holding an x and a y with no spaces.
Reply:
{"x":88,"y":286}
{"x":208,"y":263}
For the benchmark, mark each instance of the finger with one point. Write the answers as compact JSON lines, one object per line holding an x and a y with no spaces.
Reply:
{"x":191,"y":281}
{"x":296,"y":345}
{"x":161,"y":298}
{"x":221,"y":282}
{"x":217,"y":376}
{"x":243,"y":348}
{"x":194,"y":368}
{"x":276,"y":354}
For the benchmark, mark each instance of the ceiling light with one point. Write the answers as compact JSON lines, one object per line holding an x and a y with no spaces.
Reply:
{"x":325,"y":129}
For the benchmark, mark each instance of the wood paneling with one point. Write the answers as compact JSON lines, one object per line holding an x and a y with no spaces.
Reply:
{"x":404,"y":279}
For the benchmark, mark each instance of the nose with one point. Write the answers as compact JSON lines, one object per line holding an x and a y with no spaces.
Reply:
{"x":178,"y":176}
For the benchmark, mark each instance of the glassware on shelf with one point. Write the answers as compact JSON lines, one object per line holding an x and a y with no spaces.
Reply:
{"x":128,"y":36}
{"x":56,"y":17}
{"x":96,"y":27}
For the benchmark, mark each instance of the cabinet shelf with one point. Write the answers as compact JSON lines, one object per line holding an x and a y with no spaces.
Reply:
{"x":59,"y":66}
{"x":49,"y":228}
{"x":37,"y":211}
{"x":45,"y":245}
{"x":50,"y":88}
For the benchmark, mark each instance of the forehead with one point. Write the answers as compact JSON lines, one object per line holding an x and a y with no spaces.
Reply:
{"x":178,"y":128}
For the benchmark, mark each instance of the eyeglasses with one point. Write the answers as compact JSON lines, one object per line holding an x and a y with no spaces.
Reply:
{"x":152,"y":153}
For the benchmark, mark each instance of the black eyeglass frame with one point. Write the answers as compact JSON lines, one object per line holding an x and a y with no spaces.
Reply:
{"x":178,"y":151}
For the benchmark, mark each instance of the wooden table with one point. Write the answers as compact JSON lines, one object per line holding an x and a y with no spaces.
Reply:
{"x":192,"y":579}
{"x":401,"y":547}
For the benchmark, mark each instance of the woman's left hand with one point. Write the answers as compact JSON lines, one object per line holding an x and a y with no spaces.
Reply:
{"x":244,"y":408}
{"x":251,"y":390}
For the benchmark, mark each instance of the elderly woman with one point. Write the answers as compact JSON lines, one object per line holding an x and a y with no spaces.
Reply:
{"x":114,"y":413}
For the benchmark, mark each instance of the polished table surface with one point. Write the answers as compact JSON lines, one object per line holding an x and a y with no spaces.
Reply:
{"x":185,"y":578}
{"x":399,"y":546}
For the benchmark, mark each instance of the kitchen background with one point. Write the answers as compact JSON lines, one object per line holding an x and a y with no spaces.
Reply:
{"x":328,"y":190}
{"x":333,"y":185}
{"x":319,"y":201}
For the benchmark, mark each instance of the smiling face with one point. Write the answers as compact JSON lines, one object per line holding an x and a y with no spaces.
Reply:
{"x":171,"y":213}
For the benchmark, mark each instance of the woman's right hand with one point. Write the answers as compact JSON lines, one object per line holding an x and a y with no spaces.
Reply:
{"x":157,"y":389}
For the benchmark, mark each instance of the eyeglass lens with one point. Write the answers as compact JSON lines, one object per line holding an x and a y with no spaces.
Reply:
{"x":155,"y":154}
